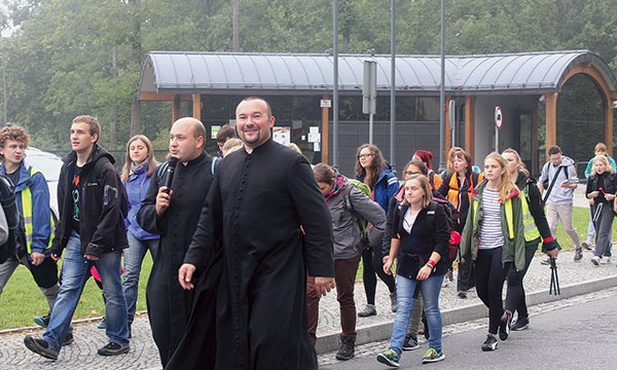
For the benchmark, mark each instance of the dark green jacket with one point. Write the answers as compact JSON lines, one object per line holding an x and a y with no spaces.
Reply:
{"x":514,"y":247}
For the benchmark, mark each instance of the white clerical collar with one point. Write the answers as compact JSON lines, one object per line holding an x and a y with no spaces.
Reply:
{"x":249,"y":151}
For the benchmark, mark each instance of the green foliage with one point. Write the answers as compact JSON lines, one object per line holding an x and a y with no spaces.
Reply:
{"x":70,"y":57}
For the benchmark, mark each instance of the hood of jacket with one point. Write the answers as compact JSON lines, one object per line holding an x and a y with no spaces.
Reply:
{"x":96,"y":153}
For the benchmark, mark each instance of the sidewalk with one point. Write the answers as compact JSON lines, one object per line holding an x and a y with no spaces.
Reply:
{"x":576,"y":278}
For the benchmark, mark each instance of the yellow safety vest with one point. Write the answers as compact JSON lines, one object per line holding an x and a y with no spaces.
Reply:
{"x":26,"y":206}
{"x":529,"y":225}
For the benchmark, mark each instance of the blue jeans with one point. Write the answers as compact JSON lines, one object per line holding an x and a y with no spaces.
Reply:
{"x":133,"y":258}
{"x":74,"y":270}
{"x":430,"y":289}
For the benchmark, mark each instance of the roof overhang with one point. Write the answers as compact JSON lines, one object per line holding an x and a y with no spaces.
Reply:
{"x":207,"y":73}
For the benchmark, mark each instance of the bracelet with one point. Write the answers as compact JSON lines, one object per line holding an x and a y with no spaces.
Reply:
{"x":430,"y":263}
{"x":549,"y":239}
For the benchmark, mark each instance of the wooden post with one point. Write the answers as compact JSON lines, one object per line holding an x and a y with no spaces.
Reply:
{"x":448,"y":129}
{"x":175,"y":109}
{"x":608,"y":126}
{"x":197,"y":106}
{"x":470,"y":125}
{"x":551,"y":119}
{"x":325,"y":132}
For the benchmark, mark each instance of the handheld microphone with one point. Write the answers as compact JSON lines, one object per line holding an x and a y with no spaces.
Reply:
{"x":171,"y":167}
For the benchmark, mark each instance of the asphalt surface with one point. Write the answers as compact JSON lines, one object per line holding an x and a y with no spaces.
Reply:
{"x":576,"y":278}
{"x":576,"y":333}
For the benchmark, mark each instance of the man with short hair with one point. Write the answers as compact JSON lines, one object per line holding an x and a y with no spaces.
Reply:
{"x":275,"y":229}
{"x":173,"y":213}
{"x":559,"y":179}
{"x":90,"y":232}
{"x":32,"y":199}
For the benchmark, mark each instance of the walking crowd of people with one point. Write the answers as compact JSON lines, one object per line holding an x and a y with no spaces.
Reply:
{"x":250,"y":239}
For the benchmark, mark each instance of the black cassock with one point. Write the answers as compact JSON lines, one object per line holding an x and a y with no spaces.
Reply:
{"x":259,"y":203}
{"x":168,"y":304}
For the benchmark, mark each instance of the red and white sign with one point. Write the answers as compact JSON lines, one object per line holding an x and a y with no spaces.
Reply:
{"x":498,"y":117}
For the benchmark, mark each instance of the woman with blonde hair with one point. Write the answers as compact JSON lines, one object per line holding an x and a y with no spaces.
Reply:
{"x":494,"y":239}
{"x":374,"y":171}
{"x":136,"y":175}
{"x":601,"y":195}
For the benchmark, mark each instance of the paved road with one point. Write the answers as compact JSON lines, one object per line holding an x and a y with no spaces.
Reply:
{"x":577,"y":333}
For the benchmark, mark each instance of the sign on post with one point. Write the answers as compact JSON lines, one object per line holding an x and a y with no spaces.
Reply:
{"x":498,"y":117}
{"x":369,"y":87}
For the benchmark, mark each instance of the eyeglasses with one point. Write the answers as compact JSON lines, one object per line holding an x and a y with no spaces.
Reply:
{"x":409,"y":173}
{"x":364,"y":156}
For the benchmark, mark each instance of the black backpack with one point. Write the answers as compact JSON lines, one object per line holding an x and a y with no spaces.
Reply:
{"x":451,"y":214}
{"x":7,"y":201}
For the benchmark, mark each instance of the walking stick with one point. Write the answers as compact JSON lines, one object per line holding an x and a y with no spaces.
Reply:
{"x":554,"y":287}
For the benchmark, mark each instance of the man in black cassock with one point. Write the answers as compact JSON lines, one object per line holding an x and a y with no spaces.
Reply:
{"x":174,"y":213}
{"x":276,"y":229}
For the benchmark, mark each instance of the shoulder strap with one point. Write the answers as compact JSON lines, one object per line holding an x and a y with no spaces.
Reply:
{"x":161,"y":170}
{"x":552,"y":183}
{"x":349,"y":206}
{"x":214,"y":159}
{"x":430,"y":215}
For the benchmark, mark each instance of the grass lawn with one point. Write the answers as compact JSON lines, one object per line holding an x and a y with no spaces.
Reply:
{"x":22,"y":300}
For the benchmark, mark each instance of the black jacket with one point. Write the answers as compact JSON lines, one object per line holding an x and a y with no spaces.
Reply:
{"x":416,"y":247}
{"x":102,"y":205}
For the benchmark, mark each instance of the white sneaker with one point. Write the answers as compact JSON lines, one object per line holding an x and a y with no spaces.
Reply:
{"x":596,"y":260}
{"x":605,"y":260}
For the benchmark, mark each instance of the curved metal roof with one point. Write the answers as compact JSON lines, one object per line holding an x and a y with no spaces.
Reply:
{"x":299,"y":74}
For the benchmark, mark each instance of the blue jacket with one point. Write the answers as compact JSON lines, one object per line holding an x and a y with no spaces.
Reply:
{"x":136,"y":189}
{"x":385,"y":188}
{"x":41,"y":226}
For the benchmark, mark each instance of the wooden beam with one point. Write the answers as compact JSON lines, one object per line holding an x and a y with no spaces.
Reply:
{"x":325,"y":131}
{"x":175,"y":109}
{"x":470,"y":125}
{"x":152,"y":96}
{"x":197,"y":106}
{"x":551,"y":119}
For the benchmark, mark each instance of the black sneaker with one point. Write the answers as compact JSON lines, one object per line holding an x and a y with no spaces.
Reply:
{"x":113,"y":349}
{"x":410,"y":343}
{"x":68,"y":339}
{"x":42,"y":321}
{"x":490,"y":344}
{"x":462,"y":294}
{"x":587,"y":245}
{"x":40,"y":347}
{"x":520,"y":324}
{"x":504,"y":326}
{"x":578,"y":254}
{"x":347,"y":350}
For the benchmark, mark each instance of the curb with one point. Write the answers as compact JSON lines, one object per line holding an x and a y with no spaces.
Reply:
{"x":382,"y":331}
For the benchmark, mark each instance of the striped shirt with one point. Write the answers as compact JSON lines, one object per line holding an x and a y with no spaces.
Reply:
{"x":490,"y":231}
